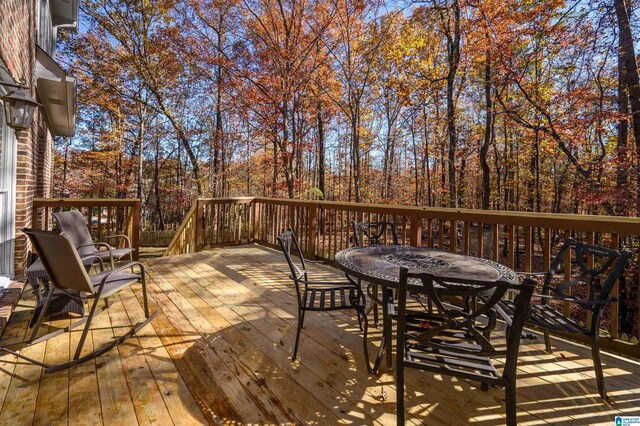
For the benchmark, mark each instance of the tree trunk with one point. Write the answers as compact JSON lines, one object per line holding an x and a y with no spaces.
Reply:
{"x":141,"y":134}
{"x":453,"y":57}
{"x":632,"y":81}
{"x":355,"y":152}
{"x":320,"y":160}
{"x":488,"y":130}
{"x":156,"y":188}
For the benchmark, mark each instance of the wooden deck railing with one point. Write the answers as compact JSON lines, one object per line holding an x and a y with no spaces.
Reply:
{"x":522,"y":241}
{"x":105,"y":216}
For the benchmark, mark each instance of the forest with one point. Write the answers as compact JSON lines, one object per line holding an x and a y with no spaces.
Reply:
{"x":489,"y":104}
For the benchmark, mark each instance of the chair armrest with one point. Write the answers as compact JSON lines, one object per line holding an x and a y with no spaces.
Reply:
{"x":121,"y":236}
{"x":531,"y":274}
{"x":120,"y":269}
{"x":96,"y":245}
{"x":584,"y":303}
{"x":341,"y":283}
{"x":94,"y":258}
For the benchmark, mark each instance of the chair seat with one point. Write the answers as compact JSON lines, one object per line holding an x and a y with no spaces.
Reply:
{"x":471,"y":367}
{"x":545,"y":316}
{"x":114,"y":283}
{"x":330,"y":298}
{"x":438,"y":360}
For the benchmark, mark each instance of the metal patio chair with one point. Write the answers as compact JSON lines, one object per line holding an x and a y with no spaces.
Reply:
{"x":319,"y":295}
{"x":72,"y":223}
{"x":596,"y":282}
{"x":450,"y":340}
{"x":68,"y":275}
{"x":374,"y":234}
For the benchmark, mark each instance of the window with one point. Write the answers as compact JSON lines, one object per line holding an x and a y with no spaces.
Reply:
{"x":7,"y":196}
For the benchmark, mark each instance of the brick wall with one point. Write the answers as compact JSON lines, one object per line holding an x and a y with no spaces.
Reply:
{"x":18,"y":23}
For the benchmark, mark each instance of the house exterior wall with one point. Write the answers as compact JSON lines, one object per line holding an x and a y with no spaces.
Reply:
{"x":18,"y":35}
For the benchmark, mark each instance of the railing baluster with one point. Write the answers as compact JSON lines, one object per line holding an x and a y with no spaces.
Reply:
{"x":465,"y":237}
{"x":590,"y":263}
{"x":567,"y":274}
{"x":453,"y":236}
{"x":615,"y":308}
{"x":511,"y":250}
{"x":546,"y":249}
{"x":480,"y":235}
{"x":528,"y":248}
{"x":495,"y":240}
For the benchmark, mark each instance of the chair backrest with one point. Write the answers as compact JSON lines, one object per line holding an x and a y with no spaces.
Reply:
{"x":373,"y":232}
{"x":289,"y":243}
{"x":458,"y":321}
{"x":72,"y":223}
{"x":60,"y":259}
{"x":608,"y":265}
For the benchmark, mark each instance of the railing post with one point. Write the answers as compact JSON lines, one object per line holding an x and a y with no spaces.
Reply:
{"x":415,"y":238}
{"x":312,"y":232}
{"x":134,"y":229}
{"x":256,"y":220}
{"x":199,"y":225}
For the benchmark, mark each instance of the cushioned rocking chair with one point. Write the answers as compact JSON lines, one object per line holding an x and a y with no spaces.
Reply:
{"x":68,"y":275}
{"x":72,"y":223}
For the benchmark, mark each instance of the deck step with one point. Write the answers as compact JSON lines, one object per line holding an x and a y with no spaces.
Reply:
{"x":9,"y":298}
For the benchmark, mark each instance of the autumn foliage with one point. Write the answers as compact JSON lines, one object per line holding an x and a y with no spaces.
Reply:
{"x":512,"y":105}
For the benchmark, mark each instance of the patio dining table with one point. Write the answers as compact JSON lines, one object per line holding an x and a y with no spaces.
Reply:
{"x":380,"y":265}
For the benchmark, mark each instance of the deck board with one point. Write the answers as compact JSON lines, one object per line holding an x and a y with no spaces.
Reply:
{"x":219,"y":352}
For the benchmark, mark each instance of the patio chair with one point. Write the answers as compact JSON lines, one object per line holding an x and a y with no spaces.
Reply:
{"x":319,"y":295}
{"x":68,"y":275}
{"x":373,"y":234}
{"x":596,"y":282}
{"x":452,"y":341}
{"x":72,"y":223}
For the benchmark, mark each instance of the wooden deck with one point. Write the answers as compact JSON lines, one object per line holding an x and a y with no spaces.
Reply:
{"x":219,"y":352}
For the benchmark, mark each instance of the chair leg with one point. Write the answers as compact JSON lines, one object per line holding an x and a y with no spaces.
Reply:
{"x":86,"y":328}
{"x":597,"y":364}
{"x":365,"y":333}
{"x":510,"y":402}
{"x":43,"y":312}
{"x":400,"y":394}
{"x":375,"y":307}
{"x":547,"y":341}
{"x":144,"y":295}
{"x":300,"y":325}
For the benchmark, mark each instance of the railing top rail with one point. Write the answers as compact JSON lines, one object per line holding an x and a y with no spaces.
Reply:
{"x":227,"y":200}
{"x":613,"y":224}
{"x":84,"y":202}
